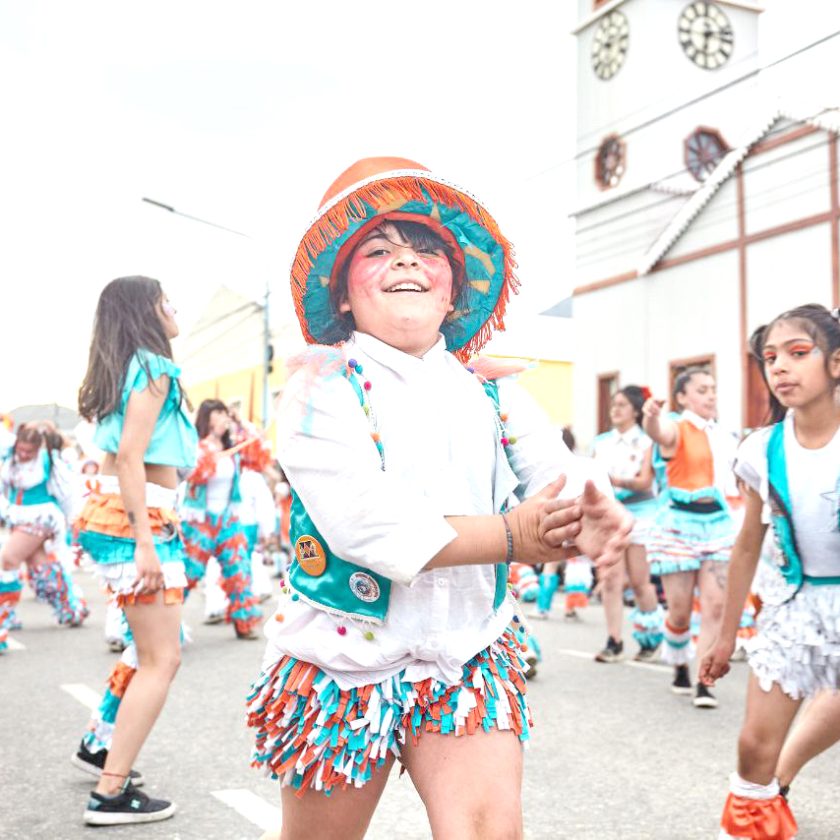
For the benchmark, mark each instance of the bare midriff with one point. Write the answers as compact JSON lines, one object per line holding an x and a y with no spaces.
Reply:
{"x":161,"y":474}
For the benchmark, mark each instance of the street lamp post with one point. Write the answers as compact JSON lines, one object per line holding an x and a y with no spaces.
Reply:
{"x":267,"y":350}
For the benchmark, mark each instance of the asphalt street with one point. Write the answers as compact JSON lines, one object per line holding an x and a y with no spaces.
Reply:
{"x":614,"y":753}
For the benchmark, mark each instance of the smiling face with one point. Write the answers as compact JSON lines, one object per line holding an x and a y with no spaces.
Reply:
{"x":398,"y":292}
{"x":796,"y":367}
{"x":700,"y":396}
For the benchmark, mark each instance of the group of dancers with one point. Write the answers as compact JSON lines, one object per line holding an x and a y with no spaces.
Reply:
{"x":416,"y":483}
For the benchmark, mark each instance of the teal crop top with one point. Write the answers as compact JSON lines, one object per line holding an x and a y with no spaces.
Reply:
{"x":174,"y":439}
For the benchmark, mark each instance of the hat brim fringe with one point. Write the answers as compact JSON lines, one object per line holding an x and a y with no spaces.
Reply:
{"x":389,"y":194}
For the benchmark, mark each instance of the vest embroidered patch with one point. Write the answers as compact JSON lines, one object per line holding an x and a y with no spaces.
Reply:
{"x":364,"y":587}
{"x":311,"y":555}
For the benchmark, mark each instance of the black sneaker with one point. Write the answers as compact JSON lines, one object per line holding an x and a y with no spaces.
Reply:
{"x":703,"y":698}
{"x":128,"y":806}
{"x":682,"y":680}
{"x":613,"y":652}
{"x":94,"y":763}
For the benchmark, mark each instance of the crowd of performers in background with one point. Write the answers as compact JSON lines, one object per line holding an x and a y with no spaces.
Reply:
{"x":671,"y":469}
{"x":233,"y":508}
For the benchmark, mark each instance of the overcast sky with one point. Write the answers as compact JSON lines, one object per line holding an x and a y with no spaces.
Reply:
{"x":242,"y":114}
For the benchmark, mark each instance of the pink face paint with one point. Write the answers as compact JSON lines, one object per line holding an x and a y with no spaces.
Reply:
{"x":392,"y":287}
{"x":168,"y":309}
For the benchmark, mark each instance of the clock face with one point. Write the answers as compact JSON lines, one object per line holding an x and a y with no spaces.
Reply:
{"x":610,"y":162}
{"x":703,"y":150}
{"x":706,"y":35}
{"x":609,"y":45}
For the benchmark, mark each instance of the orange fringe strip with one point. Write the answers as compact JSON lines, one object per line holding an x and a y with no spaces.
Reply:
{"x":389,"y":193}
{"x":106,"y":514}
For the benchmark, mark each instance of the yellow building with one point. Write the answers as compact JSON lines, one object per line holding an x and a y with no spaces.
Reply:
{"x":222,"y":358}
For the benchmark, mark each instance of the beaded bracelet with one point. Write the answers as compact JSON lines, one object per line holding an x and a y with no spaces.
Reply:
{"x":509,"y":539}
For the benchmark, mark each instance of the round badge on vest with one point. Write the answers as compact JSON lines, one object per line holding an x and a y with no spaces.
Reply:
{"x":311,"y":555}
{"x":364,"y":587}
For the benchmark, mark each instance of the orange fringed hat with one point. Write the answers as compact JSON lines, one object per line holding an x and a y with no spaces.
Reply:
{"x":374,"y":190}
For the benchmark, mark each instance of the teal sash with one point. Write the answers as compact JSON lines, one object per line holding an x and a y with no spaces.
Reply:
{"x":781,"y":509}
{"x":342,"y":587}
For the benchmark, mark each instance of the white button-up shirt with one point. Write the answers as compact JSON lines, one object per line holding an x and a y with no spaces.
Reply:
{"x":442,"y":457}
{"x":622,"y":453}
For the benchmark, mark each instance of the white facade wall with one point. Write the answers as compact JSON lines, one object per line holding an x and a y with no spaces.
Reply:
{"x":612,"y":237}
{"x":787,"y":183}
{"x":716,"y":223}
{"x":641,"y":326}
{"x":694,"y":311}
{"x":611,"y":329}
{"x":788,"y":271}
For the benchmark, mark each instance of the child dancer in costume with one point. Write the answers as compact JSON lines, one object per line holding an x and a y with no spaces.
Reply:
{"x":692,"y":534}
{"x":39,"y":492}
{"x":395,"y":639}
{"x":792,"y":469}
{"x":626,"y":453}
{"x":129,"y":528}
{"x":211,"y":524}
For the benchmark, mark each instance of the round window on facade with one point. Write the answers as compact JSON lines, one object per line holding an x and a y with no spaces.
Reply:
{"x":704,"y":149}
{"x":610,"y":162}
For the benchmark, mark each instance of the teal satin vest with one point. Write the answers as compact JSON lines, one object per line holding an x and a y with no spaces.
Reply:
{"x":781,"y":515}
{"x":328,"y":582}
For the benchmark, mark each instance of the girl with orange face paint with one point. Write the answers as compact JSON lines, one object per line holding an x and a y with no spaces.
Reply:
{"x":791,"y":470}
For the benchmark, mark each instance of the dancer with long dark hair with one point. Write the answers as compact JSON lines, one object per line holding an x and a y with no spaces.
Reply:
{"x":128,"y":526}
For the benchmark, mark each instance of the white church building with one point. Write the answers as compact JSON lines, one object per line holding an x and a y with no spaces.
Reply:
{"x":707,"y":198}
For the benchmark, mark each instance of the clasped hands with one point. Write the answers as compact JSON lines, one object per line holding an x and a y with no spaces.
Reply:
{"x":547,"y":529}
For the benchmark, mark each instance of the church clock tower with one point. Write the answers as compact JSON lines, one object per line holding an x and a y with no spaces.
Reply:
{"x":645,"y":116}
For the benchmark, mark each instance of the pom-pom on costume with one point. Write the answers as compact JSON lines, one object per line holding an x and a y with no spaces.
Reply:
{"x":103,"y":529}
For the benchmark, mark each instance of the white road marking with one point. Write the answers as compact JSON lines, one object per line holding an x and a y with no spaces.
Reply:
{"x":84,"y":694}
{"x":14,"y":644}
{"x":254,"y":808}
{"x":581,"y":654}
